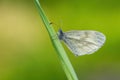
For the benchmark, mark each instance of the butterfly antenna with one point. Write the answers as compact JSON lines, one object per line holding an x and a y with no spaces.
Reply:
{"x":52,"y":23}
{"x":61,"y":24}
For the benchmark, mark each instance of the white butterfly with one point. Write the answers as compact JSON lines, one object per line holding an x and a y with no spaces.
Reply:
{"x":82,"y":42}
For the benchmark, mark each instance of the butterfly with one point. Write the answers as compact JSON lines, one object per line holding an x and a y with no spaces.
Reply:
{"x":82,"y":42}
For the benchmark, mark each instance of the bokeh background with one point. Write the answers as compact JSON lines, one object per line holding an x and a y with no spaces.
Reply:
{"x":26,"y":52}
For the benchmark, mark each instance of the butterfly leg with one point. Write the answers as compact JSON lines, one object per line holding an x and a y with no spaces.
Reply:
{"x":54,"y":37}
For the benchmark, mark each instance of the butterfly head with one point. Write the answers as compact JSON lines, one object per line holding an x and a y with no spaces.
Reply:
{"x":60,"y":34}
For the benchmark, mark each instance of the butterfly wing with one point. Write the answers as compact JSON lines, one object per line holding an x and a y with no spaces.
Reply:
{"x":83,"y":42}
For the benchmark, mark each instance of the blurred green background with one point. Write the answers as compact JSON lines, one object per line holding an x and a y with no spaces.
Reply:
{"x":26,"y":52}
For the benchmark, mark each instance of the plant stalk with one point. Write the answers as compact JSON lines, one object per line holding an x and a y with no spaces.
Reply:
{"x":65,"y":62}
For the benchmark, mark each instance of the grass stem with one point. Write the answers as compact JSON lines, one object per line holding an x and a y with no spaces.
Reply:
{"x":65,"y":62}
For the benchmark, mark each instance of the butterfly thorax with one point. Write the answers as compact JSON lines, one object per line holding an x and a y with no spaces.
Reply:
{"x":60,"y":34}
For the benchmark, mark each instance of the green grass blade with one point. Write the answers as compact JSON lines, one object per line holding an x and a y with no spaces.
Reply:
{"x":65,"y":62}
